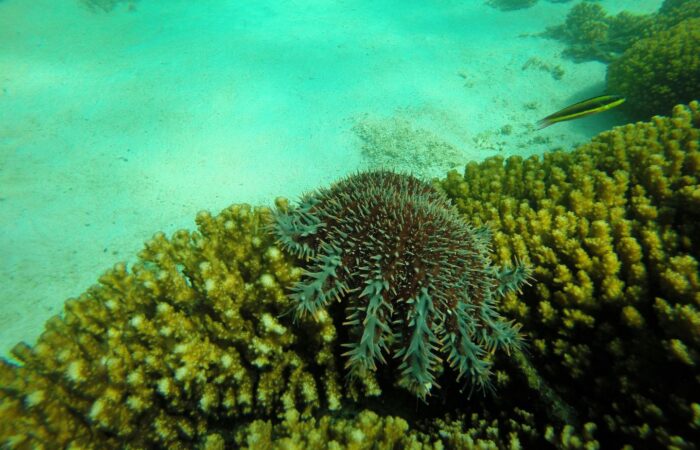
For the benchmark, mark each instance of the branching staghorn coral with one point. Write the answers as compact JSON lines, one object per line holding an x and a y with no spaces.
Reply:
{"x":160,"y":354}
{"x":610,"y":230}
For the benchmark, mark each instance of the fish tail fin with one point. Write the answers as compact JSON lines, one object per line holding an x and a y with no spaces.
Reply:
{"x":544,"y":123}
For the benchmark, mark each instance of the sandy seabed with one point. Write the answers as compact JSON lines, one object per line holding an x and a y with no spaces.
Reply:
{"x":114,"y":125}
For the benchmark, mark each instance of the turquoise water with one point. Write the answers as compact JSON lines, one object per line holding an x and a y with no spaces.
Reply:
{"x":120,"y":120}
{"x":540,"y":303}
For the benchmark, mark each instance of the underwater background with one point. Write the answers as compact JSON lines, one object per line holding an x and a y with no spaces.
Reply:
{"x":124,"y":121}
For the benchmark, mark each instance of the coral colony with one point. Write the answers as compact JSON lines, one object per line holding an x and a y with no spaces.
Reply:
{"x":190,"y":347}
{"x":415,"y":277}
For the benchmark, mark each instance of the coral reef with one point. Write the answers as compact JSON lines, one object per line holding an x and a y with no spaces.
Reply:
{"x":673,"y":12}
{"x":591,"y":34}
{"x":659,"y":72}
{"x":368,"y":430}
{"x":610,"y":231}
{"x":653,"y":58}
{"x":193,"y":346}
{"x":365,"y":430}
{"x":161,"y":354}
{"x":414,"y":277}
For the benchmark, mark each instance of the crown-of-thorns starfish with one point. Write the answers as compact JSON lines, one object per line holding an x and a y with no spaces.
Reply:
{"x":415,"y":277}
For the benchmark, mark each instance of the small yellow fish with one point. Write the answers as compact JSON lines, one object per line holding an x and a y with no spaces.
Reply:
{"x":587,"y":107}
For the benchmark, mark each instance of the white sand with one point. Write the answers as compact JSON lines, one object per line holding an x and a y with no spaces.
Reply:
{"x":116,"y":125}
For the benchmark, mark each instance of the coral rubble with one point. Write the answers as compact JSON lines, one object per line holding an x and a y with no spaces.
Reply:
{"x":405,"y":145}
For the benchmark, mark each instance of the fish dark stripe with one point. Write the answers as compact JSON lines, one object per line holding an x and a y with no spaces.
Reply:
{"x":583,"y":108}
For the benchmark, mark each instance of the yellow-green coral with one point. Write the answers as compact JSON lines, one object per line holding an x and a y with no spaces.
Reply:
{"x":160,"y":354}
{"x":659,"y":72}
{"x":673,"y":12}
{"x":368,"y":430}
{"x":364,"y":431}
{"x":609,"y":230}
{"x":591,"y":34}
